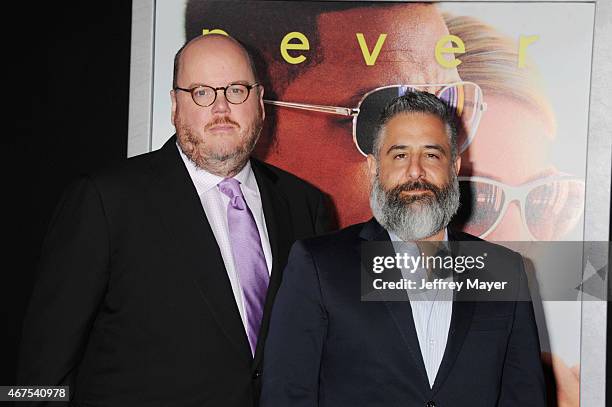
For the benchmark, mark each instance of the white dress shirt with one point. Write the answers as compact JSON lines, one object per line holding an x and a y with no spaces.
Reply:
{"x":215,"y":203}
{"x":431,"y":312}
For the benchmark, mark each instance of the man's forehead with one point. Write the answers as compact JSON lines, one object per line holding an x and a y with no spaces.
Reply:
{"x":214,"y":54}
{"x":416,"y":128}
{"x":211,"y":46}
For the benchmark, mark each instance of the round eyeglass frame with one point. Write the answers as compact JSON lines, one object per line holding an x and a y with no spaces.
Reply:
{"x":215,"y":90}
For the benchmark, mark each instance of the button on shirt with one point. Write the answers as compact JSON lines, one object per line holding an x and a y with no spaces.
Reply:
{"x":215,"y":203}
{"x":431,"y":312}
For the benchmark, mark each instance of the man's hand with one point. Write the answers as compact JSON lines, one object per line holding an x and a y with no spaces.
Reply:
{"x":567,"y":380}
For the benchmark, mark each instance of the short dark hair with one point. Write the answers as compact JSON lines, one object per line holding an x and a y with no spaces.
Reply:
{"x":418,"y":102}
{"x":179,"y":53}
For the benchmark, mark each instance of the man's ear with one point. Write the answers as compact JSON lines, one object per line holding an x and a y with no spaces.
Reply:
{"x":457,"y":164}
{"x":173,"y":111}
{"x":372,"y":165}
{"x":261,"y":101}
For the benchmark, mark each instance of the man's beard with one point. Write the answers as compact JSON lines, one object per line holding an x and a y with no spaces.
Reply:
{"x":415,"y":217}
{"x":219,"y":159}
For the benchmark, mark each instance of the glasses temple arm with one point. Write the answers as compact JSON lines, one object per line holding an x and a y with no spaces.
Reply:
{"x":342,"y":111}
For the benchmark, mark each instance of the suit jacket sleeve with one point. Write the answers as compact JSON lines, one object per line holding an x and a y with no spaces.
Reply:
{"x":295,"y":341}
{"x":522,"y":376}
{"x":72,"y":278}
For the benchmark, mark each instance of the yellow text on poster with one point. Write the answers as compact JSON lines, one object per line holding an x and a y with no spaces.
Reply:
{"x":370,"y":58}
{"x":286,"y":45}
{"x":442,"y":49}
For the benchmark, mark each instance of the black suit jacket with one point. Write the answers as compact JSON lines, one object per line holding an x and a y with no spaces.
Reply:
{"x":326,"y":347}
{"x":133,"y":306}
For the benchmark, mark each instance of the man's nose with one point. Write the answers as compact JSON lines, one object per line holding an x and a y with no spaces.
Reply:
{"x":220,"y":105}
{"x":415,"y":168}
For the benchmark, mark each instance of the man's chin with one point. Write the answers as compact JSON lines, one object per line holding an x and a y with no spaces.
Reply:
{"x":225,"y":154}
{"x":223,"y":135}
{"x":222,"y":148}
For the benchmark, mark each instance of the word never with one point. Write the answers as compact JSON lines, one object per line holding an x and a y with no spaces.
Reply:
{"x":457,"y":46}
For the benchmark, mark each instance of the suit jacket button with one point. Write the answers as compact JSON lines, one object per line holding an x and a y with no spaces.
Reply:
{"x":430,"y":404}
{"x":256,"y":374}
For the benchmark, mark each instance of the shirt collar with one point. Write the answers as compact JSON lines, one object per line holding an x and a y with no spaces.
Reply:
{"x":204,"y":181}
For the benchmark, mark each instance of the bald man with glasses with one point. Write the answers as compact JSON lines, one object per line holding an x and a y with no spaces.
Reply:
{"x":157,"y":276}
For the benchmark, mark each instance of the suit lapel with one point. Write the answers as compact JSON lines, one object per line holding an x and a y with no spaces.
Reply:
{"x":280,"y":233}
{"x":401,"y":313}
{"x":400,"y":310}
{"x":177,"y":201}
{"x":461,"y":320}
{"x":459,"y":327}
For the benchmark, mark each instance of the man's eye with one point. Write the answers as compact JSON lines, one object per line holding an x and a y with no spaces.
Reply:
{"x":400,"y":156}
{"x":237,"y":90}
{"x":202,"y":92}
{"x":432,"y":155}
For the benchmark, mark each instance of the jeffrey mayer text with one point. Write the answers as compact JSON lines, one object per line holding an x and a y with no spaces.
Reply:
{"x":439,"y":284}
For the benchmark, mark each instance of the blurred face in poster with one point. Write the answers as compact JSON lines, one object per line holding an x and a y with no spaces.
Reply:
{"x":511,"y":190}
{"x":319,"y":147}
{"x":519,"y":194}
{"x":508,"y":153}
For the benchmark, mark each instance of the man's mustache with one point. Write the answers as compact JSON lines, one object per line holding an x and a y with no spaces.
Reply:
{"x":415,"y":186}
{"x":221,"y":121}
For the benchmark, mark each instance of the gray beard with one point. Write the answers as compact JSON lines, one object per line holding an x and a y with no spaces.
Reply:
{"x":415,"y":218}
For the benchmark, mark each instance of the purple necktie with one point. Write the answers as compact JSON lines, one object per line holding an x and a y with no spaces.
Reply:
{"x":249,"y":258}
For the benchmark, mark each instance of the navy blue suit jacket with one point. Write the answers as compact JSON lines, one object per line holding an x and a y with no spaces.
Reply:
{"x":326,"y":347}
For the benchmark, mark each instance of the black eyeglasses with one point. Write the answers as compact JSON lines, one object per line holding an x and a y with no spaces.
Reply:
{"x":235,"y":93}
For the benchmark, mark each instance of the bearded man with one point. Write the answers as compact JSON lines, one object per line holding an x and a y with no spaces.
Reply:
{"x":157,"y":276}
{"x":330,"y":346}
